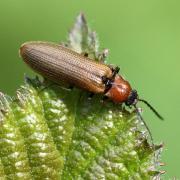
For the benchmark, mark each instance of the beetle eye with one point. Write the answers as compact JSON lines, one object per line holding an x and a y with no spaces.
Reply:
{"x":132,"y":98}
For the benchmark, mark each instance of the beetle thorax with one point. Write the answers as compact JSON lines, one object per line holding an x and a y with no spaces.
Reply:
{"x":120,"y":90}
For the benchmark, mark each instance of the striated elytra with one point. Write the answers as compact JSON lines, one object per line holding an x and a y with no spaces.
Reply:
{"x":60,"y":64}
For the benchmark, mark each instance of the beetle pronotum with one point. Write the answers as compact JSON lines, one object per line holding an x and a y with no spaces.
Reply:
{"x":59,"y":63}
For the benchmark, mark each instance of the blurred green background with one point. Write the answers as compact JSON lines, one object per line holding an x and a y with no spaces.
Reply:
{"x":143,"y":38}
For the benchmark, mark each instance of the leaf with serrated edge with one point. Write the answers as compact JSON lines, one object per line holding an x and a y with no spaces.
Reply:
{"x":49,"y":132}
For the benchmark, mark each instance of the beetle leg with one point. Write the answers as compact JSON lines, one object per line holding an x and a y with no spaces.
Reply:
{"x":114,"y":68}
{"x":107,"y":82}
{"x":115,"y":71}
{"x":69,"y":88}
{"x":46,"y":87}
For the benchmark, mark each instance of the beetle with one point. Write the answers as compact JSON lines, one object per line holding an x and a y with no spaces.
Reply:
{"x":61,"y":64}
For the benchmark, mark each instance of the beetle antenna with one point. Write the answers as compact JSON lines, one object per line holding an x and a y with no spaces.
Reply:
{"x":144,"y":122}
{"x":152,"y":109}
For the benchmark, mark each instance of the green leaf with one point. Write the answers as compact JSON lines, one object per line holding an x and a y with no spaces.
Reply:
{"x":82,"y":39}
{"x":50,"y":132}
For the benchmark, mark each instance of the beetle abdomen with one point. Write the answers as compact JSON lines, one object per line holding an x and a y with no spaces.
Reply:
{"x":58,"y":64}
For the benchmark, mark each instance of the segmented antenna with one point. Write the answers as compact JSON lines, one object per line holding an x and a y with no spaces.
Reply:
{"x":142,"y":120}
{"x":152,"y":109}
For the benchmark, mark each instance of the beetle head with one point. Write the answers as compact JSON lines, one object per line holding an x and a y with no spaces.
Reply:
{"x":132,"y":98}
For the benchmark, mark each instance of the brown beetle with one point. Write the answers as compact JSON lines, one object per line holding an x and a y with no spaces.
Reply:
{"x":59,"y":63}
